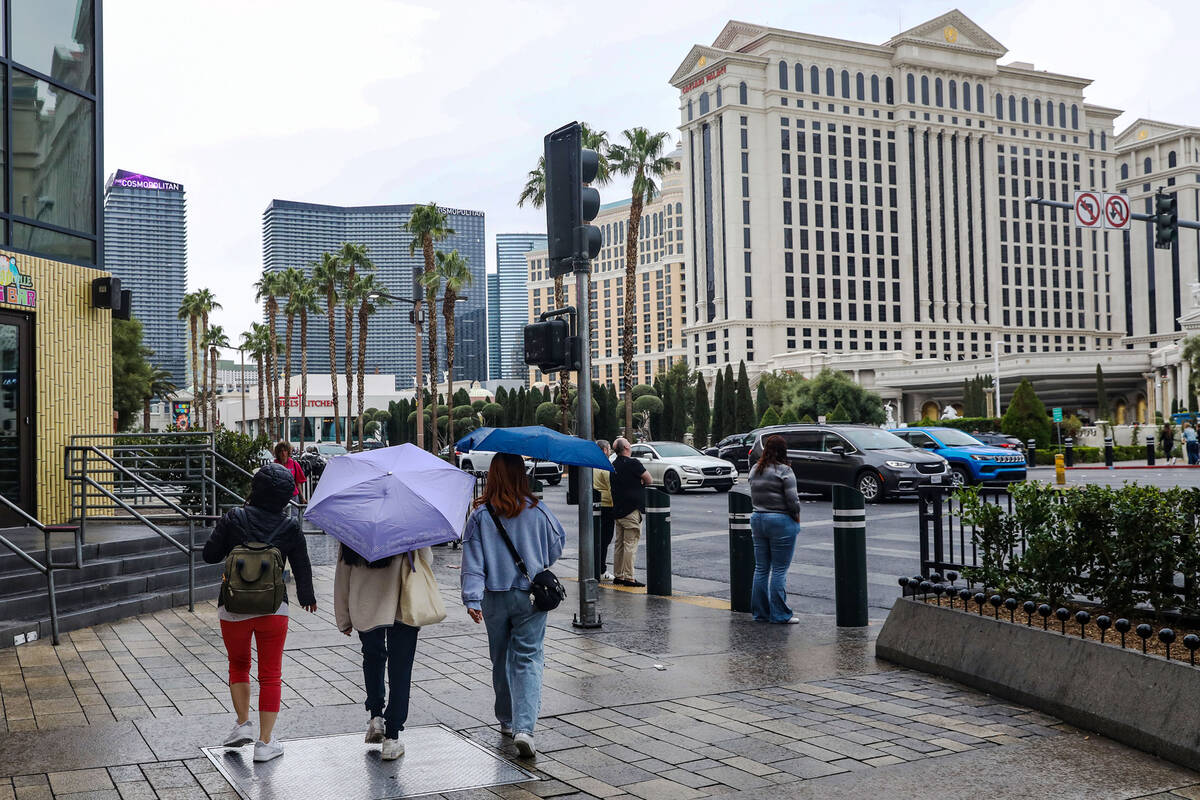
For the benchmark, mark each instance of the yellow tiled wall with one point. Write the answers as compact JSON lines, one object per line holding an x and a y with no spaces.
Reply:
{"x":72,"y":359}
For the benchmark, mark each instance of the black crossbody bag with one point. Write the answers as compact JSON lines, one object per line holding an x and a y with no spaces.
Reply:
{"x":545,"y":592}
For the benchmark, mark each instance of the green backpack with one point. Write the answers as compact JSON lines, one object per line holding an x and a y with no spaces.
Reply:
{"x":253,"y":579}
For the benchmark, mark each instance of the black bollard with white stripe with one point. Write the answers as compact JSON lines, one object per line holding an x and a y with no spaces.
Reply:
{"x":849,"y":557}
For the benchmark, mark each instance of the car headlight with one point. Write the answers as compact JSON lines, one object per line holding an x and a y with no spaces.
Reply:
{"x":898,"y":464}
{"x":981,"y":458}
{"x":690,"y":469}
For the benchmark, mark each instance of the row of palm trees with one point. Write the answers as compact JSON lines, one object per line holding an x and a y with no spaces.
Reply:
{"x":641,"y":157}
{"x":205,"y":342}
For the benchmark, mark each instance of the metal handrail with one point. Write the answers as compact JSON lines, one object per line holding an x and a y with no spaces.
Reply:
{"x":48,"y":568}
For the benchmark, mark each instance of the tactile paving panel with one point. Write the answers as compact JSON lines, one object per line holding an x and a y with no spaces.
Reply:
{"x":344,"y":768}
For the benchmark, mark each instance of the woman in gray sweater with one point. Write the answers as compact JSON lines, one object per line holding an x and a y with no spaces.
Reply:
{"x":774,"y":525}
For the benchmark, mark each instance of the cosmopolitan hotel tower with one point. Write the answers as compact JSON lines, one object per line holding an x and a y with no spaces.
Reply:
{"x":296,"y":234}
{"x":145,"y":233}
{"x":854,"y":197}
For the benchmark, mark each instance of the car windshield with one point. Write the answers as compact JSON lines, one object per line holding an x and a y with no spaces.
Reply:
{"x":956,"y":438}
{"x":331,"y":449}
{"x":873,"y":439}
{"x":676,"y":450}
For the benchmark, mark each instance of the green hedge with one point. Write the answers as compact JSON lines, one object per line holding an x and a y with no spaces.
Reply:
{"x":1095,"y":455}
{"x":1121,"y":547}
{"x":968,"y":424}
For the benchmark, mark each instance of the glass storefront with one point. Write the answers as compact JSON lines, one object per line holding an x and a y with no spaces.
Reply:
{"x":16,"y":412}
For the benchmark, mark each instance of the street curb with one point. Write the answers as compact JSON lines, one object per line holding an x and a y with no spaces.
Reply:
{"x":1143,"y":701}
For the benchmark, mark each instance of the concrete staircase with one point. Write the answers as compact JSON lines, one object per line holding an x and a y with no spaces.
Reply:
{"x":127,"y":570}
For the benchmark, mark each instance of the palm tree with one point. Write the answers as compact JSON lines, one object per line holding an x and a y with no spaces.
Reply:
{"x":328,"y":275}
{"x":189,"y":309}
{"x":255,"y":342}
{"x":453,"y":270}
{"x":269,"y":287}
{"x":206,"y":303}
{"x":292,"y":280}
{"x":353,"y":258}
{"x":214,"y":340}
{"x":160,"y":385}
{"x":301,"y":302}
{"x":364,"y":287}
{"x":641,"y":156}
{"x":534,"y":193}
{"x":427,"y":224}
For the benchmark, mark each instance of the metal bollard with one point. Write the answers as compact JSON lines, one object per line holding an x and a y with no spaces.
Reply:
{"x":849,"y":557}
{"x":1150,"y":450}
{"x":1108,"y":452}
{"x":1060,"y":471}
{"x":741,"y":552}
{"x":658,"y":542}
{"x":597,"y":531}
{"x":1031,"y":452}
{"x":1069,"y":446}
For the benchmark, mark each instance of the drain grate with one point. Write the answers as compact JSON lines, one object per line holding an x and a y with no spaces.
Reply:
{"x":436,"y":759}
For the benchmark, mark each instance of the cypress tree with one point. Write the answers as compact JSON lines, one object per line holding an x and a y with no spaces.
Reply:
{"x":1026,"y":416}
{"x":729,"y":403}
{"x":744,"y":402}
{"x":718,"y":408}
{"x":1101,"y":395}
{"x":839,"y":414}
{"x":788,"y":417}
{"x":770,"y":417}
{"x":761,"y":403}
{"x":701,"y":416}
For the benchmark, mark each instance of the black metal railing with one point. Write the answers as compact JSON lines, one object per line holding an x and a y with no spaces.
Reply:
{"x":48,"y":565}
{"x":947,"y":543}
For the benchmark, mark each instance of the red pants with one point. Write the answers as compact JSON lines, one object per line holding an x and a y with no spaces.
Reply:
{"x":269,"y":634}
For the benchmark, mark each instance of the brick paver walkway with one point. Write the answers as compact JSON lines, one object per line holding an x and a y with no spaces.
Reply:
{"x":668,"y":701}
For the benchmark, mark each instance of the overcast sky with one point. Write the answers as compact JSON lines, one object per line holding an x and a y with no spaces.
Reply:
{"x":364,"y":102}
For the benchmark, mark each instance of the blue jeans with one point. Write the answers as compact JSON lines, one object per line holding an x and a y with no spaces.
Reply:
{"x":392,"y":648}
{"x":774,"y":542}
{"x":516,"y":632}
{"x":1193,"y":452}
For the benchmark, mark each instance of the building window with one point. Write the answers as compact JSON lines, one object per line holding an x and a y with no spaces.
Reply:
{"x":783,"y":75}
{"x":1050,"y":113}
{"x":924,"y":90}
{"x":1074,"y":117}
{"x":829,"y":90}
{"x":1062,"y":115}
{"x":912,"y":88}
{"x":953,"y":94}
{"x":689,"y":110}
{"x":704,"y":103}
{"x":979,"y":99}
{"x":966,"y":96}
{"x":1124,"y":172}
{"x":1025,"y":109}
{"x":860,"y":87}
{"x":937,"y":92}
{"x":1037,"y":112}
{"x":718,"y":97}
{"x":999,"y":106}
{"x":742,"y":94}
{"x":1146,"y":166}
{"x":1171,"y":160}
{"x":846,"y":85}
{"x":814,"y":80}
{"x":56,"y":39}
{"x":890,"y":96}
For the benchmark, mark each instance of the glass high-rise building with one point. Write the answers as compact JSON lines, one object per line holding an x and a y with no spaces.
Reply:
{"x":296,"y":234}
{"x":493,"y":320}
{"x":145,"y":234}
{"x":513,"y":276}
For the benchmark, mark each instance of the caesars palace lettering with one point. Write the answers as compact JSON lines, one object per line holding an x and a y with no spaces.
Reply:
{"x":696,"y":84}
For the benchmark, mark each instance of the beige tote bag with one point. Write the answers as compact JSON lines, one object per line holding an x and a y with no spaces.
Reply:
{"x":420,"y":601}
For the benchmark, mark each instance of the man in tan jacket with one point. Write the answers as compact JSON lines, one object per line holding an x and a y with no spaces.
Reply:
{"x":601,"y":484}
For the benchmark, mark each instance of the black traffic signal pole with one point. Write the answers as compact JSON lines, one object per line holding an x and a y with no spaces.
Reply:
{"x":1182,"y":223}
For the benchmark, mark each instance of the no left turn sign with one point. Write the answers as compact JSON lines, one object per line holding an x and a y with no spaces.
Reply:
{"x":1088,"y":210}
{"x":1116,"y":211}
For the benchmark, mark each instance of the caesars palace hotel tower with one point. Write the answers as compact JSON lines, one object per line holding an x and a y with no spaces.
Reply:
{"x":842,"y":196}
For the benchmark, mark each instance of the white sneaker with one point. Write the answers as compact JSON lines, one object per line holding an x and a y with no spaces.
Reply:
{"x":794,"y":621}
{"x":506,"y":729}
{"x":241,"y":735}
{"x":608,"y":576}
{"x":265,"y":751}
{"x":392,"y":749}
{"x":525,"y":746}
{"x":375,"y":730}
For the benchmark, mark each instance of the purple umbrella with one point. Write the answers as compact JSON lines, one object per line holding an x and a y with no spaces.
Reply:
{"x":392,"y":500}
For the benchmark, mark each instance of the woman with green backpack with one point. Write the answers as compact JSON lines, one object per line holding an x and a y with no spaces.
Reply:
{"x":255,"y":542}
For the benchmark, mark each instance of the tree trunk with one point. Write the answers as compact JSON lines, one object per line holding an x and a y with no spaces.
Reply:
{"x":195,"y":365}
{"x":262,"y":406}
{"x":303,"y":374}
{"x":287,"y":380}
{"x":630,"y":333}
{"x":272,"y":371}
{"x":212,"y":360}
{"x":427,"y":251}
{"x":204,"y":375}
{"x":146,"y":415}
{"x":362,"y":366}
{"x":448,"y":312}
{"x":333,"y":373}
{"x":349,"y":353}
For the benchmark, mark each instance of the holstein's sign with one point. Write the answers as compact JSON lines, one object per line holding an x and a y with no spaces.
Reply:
{"x":16,"y":288}
{"x":696,"y":84}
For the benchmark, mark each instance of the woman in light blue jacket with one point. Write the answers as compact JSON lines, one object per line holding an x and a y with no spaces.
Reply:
{"x":496,"y":593}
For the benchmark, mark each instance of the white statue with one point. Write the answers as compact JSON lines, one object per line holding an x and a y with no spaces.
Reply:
{"x":949,"y":413}
{"x":1195,"y":295}
{"x":891,"y":415}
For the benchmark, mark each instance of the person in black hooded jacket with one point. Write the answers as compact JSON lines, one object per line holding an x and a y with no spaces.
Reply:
{"x":263,"y":519}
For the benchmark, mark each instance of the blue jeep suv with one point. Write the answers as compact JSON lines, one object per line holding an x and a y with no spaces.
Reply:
{"x":971,"y":461}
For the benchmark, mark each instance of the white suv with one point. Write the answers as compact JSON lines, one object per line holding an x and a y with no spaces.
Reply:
{"x":481,"y":460}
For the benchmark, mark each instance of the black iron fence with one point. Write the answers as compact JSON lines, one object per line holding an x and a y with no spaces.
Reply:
{"x":947,"y":543}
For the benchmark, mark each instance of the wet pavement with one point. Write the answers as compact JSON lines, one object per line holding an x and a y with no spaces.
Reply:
{"x":671,"y":698}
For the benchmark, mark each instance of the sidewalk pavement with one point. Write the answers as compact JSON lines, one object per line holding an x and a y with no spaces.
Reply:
{"x":671,"y":699}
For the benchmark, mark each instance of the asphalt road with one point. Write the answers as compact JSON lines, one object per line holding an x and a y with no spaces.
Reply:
{"x":700,"y":539}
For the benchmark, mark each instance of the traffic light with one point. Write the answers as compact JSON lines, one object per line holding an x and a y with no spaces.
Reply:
{"x":551,"y":345}
{"x":1166,"y":220}
{"x":570,"y":203}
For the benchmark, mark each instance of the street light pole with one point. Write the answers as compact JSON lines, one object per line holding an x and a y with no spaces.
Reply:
{"x":242,"y":350}
{"x":589,"y":616}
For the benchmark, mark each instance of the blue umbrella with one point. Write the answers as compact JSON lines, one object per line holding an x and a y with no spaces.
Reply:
{"x":392,"y":500}
{"x":537,"y":441}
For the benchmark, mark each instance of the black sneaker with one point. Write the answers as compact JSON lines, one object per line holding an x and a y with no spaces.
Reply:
{"x":635,"y":583}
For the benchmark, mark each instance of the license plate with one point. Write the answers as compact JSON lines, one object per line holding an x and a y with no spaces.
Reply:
{"x":936,"y":479}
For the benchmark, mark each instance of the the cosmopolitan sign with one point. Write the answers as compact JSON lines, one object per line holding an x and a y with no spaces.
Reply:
{"x":460,"y":212}
{"x":133,"y":180}
{"x":698,"y":82}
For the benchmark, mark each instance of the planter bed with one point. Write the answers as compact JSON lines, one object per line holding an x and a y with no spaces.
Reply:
{"x":1144,"y":701}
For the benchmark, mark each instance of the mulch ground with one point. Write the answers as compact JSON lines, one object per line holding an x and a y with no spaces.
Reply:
{"x":1090,"y":631}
